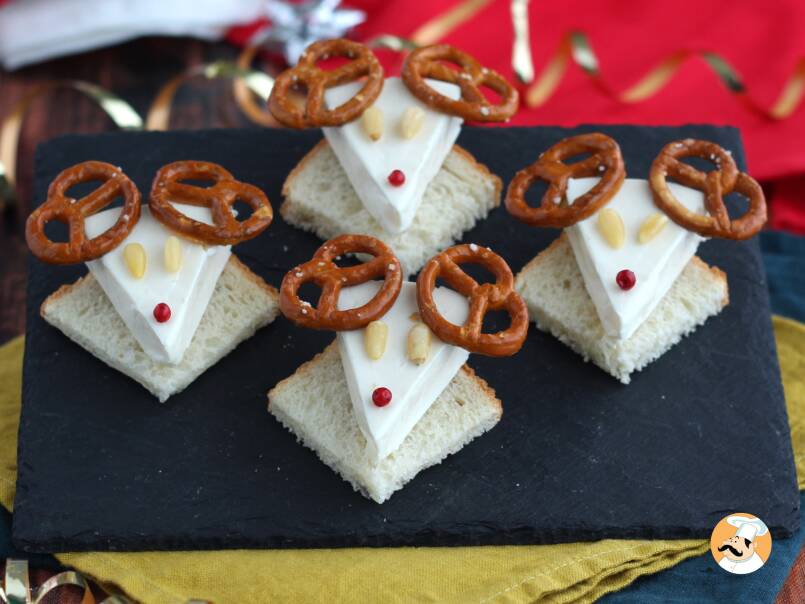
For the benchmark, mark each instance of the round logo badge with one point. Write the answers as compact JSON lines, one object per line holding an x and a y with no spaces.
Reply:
{"x":740,"y":543}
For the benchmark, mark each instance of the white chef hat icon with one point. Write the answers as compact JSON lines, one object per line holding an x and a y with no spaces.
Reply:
{"x":748,"y":528}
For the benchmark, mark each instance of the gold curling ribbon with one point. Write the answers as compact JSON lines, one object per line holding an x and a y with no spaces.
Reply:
{"x":246,"y":95}
{"x":121,"y":113}
{"x":575,"y":47}
{"x":257,"y":82}
{"x":522,"y":62}
{"x":18,"y":587}
{"x":437,"y":28}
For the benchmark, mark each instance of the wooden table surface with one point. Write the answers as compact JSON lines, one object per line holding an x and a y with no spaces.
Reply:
{"x":135,"y":71}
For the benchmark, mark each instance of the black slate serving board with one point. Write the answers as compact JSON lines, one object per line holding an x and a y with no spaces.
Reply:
{"x":577,"y":456}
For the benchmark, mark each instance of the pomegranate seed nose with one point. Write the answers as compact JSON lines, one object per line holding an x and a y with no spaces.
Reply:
{"x":162,"y":312}
{"x":396,"y":178}
{"x":626,"y":279}
{"x":381,"y":397}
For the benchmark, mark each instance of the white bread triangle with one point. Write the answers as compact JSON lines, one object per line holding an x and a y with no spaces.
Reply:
{"x":553,"y":288}
{"x":314,"y":405}
{"x":319,"y":198}
{"x":241,"y":303}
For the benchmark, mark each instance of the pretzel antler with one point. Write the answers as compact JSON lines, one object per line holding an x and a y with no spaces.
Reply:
{"x":74,"y":213}
{"x":314,"y":113}
{"x":220,"y":198}
{"x":554,"y":210}
{"x":725,"y":179}
{"x":427,"y":62}
{"x":324,"y":272}
{"x":482,"y":297}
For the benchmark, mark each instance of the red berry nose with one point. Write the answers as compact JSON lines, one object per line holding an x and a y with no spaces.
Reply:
{"x":396,"y":178}
{"x":626,"y":279}
{"x":381,"y":397}
{"x":162,"y":312}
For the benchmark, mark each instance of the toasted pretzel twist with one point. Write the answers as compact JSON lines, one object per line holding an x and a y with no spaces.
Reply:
{"x":226,"y":229}
{"x":483,"y":298}
{"x":73,"y":212}
{"x":554,"y":210}
{"x":325,"y":273}
{"x":363,"y":63}
{"x":426,"y":62}
{"x":725,"y":179}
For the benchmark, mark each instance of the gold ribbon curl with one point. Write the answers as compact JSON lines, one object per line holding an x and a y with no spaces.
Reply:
{"x":16,"y":588}
{"x":575,"y":48}
{"x":121,"y":113}
{"x":254,"y":82}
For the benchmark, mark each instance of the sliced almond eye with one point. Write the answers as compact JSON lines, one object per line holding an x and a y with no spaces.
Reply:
{"x":651,"y":227}
{"x":135,"y":259}
{"x":412,"y":121}
{"x":375,"y":338}
{"x":372,"y":122}
{"x":610,"y":225}
{"x":418,"y":343}
{"x":173,"y":254}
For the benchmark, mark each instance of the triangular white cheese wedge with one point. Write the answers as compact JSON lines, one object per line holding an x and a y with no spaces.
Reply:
{"x":656,"y":264}
{"x":187,"y":292}
{"x":413,"y":387}
{"x":368,"y":163}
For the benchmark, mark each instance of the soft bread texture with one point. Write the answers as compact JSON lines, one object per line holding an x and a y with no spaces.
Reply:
{"x":320,"y":198}
{"x":241,"y":303}
{"x":558,"y":302}
{"x":314,"y":404}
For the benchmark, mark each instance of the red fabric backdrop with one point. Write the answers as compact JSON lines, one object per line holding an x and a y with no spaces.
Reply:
{"x":763,"y":40}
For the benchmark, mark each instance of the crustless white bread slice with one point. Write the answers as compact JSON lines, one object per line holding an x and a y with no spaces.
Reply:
{"x":314,"y":404}
{"x":558,"y":302}
{"x":241,"y":303}
{"x":320,"y":198}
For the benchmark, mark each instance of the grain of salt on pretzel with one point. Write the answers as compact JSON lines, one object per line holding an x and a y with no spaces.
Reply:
{"x":60,"y":207}
{"x":725,"y":179}
{"x":220,"y":198}
{"x":427,"y":62}
{"x":485,"y":297}
{"x":325,"y":273}
{"x":605,"y":160}
{"x":362,"y":64}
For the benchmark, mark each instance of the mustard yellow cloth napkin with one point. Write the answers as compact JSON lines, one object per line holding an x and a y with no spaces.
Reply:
{"x":575,"y":572}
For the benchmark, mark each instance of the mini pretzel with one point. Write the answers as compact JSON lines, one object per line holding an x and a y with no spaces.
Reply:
{"x":725,"y":179}
{"x":554,"y":210}
{"x":74,"y":212}
{"x":363,"y":63}
{"x":426,"y":62}
{"x":226,"y":229}
{"x":483,"y":298}
{"x":330,"y":277}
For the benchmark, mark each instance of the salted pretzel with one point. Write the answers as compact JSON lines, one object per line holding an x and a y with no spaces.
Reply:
{"x":226,"y":229}
{"x":324,"y":272}
{"x":483,"y":298}
{"x":314,"y":113}
{"x":554,"y":210}
{"x":725,"y":179}
{"x":74,"y":212}
{"x":428,"y":62}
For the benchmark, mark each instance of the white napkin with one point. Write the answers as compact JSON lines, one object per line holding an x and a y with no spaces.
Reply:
{"x":35,"y":30}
